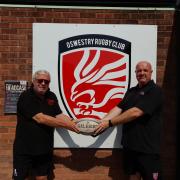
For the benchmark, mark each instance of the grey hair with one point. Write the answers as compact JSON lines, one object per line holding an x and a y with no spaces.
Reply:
{"x":40,"y":72}
{"x":146,"y":62}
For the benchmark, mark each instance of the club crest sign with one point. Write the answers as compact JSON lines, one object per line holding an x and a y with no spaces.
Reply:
{"x":93,"y":74}
{"x":91,"y":66}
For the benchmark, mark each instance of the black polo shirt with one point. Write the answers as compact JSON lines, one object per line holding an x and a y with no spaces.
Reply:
{"x":32,"y":137}
{"x":143,"y":134}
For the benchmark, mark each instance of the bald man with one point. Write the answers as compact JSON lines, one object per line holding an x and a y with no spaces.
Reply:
{"x":140,"y":113}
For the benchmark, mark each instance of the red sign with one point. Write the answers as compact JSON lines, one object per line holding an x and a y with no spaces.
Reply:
{"x":94,"y":75}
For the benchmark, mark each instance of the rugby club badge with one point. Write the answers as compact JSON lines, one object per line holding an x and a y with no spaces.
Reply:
{"x":93,"y":74}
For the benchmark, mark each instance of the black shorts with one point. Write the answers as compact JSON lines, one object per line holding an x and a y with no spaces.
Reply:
{"x":148,"y":165}
{"x":32,"y":165}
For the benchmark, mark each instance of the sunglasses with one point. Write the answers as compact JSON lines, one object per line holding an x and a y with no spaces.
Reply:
{"x":40,"y":81}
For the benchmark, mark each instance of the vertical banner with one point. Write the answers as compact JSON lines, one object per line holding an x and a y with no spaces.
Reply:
{"x":91,"y":67}
{"x":13,"y":89}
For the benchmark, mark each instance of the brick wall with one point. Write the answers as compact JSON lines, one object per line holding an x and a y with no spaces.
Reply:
{"x":16,"y":63}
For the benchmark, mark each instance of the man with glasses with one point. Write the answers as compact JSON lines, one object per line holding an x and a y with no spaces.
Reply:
{"x":38,"y":113}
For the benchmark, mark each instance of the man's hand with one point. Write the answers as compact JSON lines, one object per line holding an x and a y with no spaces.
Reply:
{"x":67,"y":122}
{"x":72,"y":126}
{"x":103,"y":125}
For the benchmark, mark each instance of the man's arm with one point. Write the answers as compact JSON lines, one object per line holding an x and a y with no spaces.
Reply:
{"x":127,"y":116}
{"x":112,"y":113}
{"x":60,"y":120}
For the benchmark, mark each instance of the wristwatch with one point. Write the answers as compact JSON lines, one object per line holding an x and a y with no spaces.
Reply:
{"x":110,"y":123}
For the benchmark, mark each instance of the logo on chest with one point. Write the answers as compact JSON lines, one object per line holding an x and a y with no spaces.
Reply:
{"x":50,"y":102}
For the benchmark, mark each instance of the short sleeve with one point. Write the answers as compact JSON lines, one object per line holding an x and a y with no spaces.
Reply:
{"x":123,"y":102}
{"x":57,"y":109}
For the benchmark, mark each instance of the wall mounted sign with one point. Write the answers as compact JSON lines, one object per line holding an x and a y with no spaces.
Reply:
{"x":91,"y":67}
{"x":13,"y":89}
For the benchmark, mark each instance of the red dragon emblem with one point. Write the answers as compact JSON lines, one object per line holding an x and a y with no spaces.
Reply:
{"x":92,"y":80}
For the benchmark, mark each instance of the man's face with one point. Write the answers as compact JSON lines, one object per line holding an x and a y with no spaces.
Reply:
{"x":143,"y":73}
{"x":41,"y":83}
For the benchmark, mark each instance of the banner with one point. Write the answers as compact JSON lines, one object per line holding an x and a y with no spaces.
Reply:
{"x":13,"y":89}
{"x":91,"y":67}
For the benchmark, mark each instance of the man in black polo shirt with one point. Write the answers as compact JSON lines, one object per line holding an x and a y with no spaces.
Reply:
{"x":139,"y":112}
{"x":38,"y":113}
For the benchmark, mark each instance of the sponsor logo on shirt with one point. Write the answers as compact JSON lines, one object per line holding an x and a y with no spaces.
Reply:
{"x":141,"y":93}
{"x":50,"y":102}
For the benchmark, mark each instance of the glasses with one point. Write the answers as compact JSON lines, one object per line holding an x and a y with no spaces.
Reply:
{"x":40,"y":81}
